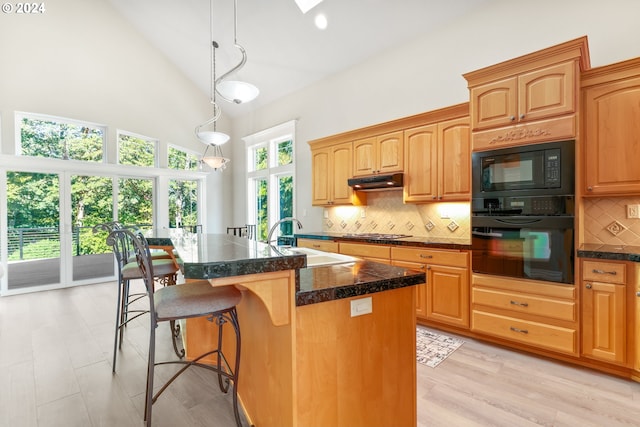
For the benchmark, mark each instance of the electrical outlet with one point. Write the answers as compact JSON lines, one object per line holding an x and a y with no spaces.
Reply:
{"x":361,"y":306}
{"x":633,"y":211}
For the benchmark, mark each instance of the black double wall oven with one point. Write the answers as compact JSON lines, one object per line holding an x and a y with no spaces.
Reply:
{"x":523,"y":211}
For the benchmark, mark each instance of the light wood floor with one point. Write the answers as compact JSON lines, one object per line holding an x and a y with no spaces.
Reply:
{"x":55,"y":370}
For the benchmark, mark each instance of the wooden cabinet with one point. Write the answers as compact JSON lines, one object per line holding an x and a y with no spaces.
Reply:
{"x":321,"y":245}
{"x":445,"y":298}
{"x":604,"y":317}
{"x":542,"y":93}
{"x":331,"y":168}
{"x":611,"y":107}
{"x":378,"y":154}
{"x":526,"y":312}
{"x":377,"y":253}
{"x":529,"y":99}
{"x":438,"y":162}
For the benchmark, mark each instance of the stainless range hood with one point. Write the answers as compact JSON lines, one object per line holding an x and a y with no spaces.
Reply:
{"x":376,"y":182}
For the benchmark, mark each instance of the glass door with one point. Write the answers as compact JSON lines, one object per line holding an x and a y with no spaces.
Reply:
{"x":33,"y":230}
{"x":91,"y":204}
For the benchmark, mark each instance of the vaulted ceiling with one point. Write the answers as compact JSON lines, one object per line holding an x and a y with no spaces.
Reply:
{"x":286,"y":51}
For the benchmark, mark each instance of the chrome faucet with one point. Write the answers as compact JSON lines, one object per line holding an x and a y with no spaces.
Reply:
{"x":273,"y":228}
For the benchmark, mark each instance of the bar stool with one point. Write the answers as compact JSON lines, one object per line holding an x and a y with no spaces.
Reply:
{"x":165,"y":272}
{"x":237,"y":231}
{"x":188,"y":300}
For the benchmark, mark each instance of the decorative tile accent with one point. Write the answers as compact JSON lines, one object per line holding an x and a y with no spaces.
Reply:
{"x":343,"y":224}
{"x":429,"y":225}
{"x":600,"y":213}
{"x":390,"y":225}
{"x":329,"y":223}
{"x":358,"y":224}
{"x":373,"y":225}
{"x":616,"y":228}
{"x":409,"y":225}
{"x":453,"y":226}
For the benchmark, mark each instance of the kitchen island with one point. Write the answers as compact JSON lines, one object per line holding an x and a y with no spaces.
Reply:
{"x":331,"y":345}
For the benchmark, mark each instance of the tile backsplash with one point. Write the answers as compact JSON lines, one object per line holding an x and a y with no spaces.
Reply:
{"x":606,"y":222}
{"x":386,"y":213}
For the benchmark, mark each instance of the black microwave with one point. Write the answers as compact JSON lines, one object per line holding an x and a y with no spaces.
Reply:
{"x":544,"y":169}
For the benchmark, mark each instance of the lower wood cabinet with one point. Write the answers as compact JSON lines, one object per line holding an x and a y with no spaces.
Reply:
{"x":377,"y":253}
{"x":604,"y":312}
{"x":321,"y":245}
{"x":445,"y":297}
{"x":528,"y":312}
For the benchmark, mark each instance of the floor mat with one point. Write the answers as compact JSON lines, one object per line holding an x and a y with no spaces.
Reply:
{"x":432,"y":348}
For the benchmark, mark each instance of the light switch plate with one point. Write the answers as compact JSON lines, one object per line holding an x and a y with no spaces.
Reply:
{"x":361,"y":306}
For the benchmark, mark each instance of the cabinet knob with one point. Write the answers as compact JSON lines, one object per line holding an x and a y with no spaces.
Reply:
{"x":521,"y":116}
{"x":588,"y":286}
{"x":638,"y":294}
{"x":434,"y":197}
{"x":512,"y":118}
{"x":589,"y":188}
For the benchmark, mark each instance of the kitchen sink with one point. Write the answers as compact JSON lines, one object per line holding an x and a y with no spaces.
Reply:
{"x":316,"y":258}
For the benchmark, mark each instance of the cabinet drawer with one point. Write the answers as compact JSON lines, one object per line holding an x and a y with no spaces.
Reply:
{"x":541,"y":335}
{"x":607,"y":272}
{"x":321,"y":245}
{"x":522,"y":303}
{"x":367,"y":251}
{"x":431,"y":256}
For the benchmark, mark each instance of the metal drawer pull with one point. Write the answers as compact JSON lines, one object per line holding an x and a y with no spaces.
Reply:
{"x":613,"y":273}
{"x":522,"y":331}
{"x":588,"y":286}
{"x":316,"y":246}
{"x":521,"y":304}
{"x":426,"y":256}
{"x":638,"y":294}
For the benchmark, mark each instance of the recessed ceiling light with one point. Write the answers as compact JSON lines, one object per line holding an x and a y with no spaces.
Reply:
{"x":306,"y":5}
{"x":321,"y":21}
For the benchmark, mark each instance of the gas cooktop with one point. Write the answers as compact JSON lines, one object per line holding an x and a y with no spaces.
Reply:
{"x":376,"y":236}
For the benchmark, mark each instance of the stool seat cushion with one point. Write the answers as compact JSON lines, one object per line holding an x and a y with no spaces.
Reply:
{"x":161,"y":267}
{"x":194,"y":299}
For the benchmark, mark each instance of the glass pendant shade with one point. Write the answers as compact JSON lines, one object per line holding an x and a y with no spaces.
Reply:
{"x":212,"y":137}
{"x":237,"y":91}
{"x":216,"y":162}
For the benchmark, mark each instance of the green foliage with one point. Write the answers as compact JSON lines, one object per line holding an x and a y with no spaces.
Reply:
{"x":183,"y":203}
{"x":136,"y":151}
{"x":32,"y":200}
{"x":285,"y":153}
{"x":58,"y":140}
{"x":181,"y":160}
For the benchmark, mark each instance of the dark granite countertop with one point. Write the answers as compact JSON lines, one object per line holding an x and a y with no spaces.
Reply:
{"x":210,"y":256}
{"x":418,"y":241}
{"x":613,"y":252}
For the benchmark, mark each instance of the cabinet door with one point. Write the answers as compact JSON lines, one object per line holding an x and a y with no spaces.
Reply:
{"x":390,"y":153}
{"x":421,"y":290}
{"x":341,"y":172}
{"x":612,"y":138}
{"x":448,"y":295}
{"x":494,"y":104}
{"x":454,"y":177}
{"x":364,"y":156}
{"x":547,"y":92}
{"x":421,"y":160}
{"x":604,"y":321}
{"x":320,"y":177}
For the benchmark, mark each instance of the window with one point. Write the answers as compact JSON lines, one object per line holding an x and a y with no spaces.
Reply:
{"x":183,"y":204}
{"x":136,"y":150}
{"x":58,"y":138}
{"x":270,"y":178}
{"x":182,"y":160}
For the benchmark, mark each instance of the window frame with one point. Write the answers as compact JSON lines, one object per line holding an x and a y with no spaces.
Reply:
{"x":270,"y":138}
{"x":20,"y":115}
{"x":155,"y":141}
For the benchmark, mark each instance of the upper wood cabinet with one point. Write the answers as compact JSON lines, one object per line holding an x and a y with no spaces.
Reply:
{"x":438,"y":162}
{"x":528,"y":99}
{"x":611,"y":138}
{"x":378,"y":154}
{"x":331,"y":168}
{"x":547,"y":92}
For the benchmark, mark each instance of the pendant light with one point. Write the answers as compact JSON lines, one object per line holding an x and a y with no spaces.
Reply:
{"x":236,"y":91}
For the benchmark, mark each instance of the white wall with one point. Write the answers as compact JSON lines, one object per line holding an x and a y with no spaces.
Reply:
{"x":426,"y":74}
{"x":82,"y":60}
